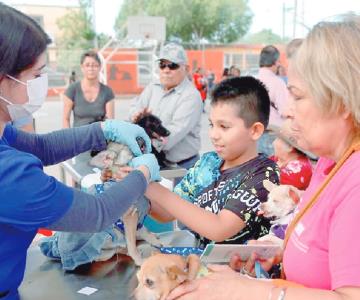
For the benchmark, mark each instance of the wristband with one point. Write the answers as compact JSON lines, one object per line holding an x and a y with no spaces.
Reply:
{"x":282,"y":293}
{"x":243,"y":271}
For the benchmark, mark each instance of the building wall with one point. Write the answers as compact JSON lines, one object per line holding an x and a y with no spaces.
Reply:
{"x":48,"y":16}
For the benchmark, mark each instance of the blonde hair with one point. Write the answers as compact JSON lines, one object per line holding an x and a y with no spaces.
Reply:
{"x":328,"y":62}
{"x":292,"y":47}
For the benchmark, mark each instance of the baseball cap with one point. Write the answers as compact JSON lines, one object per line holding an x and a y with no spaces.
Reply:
{"x":174,"y":53}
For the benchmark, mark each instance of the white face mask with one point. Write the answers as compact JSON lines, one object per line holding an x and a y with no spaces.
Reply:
{"x":36,"y":90}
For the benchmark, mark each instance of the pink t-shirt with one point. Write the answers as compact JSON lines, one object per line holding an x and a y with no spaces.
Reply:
{"x":324,"y":249}
{"x":278,"y":94}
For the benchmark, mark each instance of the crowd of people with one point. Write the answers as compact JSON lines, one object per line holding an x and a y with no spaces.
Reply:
{"x":265,"y":128}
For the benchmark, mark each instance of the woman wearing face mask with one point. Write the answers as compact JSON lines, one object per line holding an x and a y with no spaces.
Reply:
{"x":88,"y":99}
{"x":29,"y":198}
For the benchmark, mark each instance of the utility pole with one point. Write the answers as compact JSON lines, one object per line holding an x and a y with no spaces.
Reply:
{"x":283,"y":21}
{"x":96,"y":45}
{"x":295,"y":19}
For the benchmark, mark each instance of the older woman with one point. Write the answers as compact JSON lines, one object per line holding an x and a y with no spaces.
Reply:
{"x":89,"y":99}
{"x":322,"y":245}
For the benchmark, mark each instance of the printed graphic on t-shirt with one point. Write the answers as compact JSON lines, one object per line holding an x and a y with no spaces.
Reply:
{"x":239,"y":189}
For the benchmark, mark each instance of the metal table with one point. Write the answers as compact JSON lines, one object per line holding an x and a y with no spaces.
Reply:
{"x":113,"y":279}
{"x":78,"y":167}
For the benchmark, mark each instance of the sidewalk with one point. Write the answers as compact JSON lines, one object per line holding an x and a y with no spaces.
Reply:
{"x":49,"y":118}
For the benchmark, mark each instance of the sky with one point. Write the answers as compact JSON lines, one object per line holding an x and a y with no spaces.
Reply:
{"x":267,"y":13}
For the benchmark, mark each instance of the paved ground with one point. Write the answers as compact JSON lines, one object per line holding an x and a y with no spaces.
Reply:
{"x":49,"y":118}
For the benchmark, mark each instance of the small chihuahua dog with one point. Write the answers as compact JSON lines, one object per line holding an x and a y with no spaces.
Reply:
{"x":161,"y":273}
{"x":281,"y":203}
{"x":111,"y":161}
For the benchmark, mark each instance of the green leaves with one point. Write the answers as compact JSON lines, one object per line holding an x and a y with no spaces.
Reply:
{"x":193,"y":21}
{"x":76,"y":28}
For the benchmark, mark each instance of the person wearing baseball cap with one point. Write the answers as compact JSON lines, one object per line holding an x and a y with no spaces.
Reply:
{"x":177,"y":103}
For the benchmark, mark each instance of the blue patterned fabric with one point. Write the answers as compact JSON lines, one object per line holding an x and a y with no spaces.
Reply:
{"x":74,"y":249}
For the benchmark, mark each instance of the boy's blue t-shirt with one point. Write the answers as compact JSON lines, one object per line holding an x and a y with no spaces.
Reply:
{"x":29,"y":199}
{"x":239,"y":189}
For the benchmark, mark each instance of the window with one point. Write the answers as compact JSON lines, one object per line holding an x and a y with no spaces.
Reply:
{"x":144,"y":68}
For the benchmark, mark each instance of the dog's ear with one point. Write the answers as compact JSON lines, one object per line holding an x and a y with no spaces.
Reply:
{"x":269,"y":185}
{"x":193,"y":265}
{"x":294,"y":194}
{"x":176,"y":274}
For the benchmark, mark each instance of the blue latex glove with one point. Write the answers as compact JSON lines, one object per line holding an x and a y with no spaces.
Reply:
{"x":150,"y":161}
{"x":126,"y":133}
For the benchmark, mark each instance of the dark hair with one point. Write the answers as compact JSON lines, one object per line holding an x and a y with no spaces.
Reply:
{"x":22,"y":40}
{"x":225,"y":72}
{"x":268,"y":56}
{"x":248,"y":94}
{"x":91,"y":54}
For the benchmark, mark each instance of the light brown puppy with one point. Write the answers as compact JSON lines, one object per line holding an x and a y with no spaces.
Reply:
{"x":161,"y":273}
{"x":113,"y":161}
{"x":282,"y":200}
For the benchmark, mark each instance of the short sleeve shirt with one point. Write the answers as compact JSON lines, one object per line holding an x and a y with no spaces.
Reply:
{"x":239,"y":189}
{"x":323,"y":251}
{"x":86,"y":112}
{"x":29,"y":199}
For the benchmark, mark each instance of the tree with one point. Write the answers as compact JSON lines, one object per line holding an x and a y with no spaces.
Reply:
{"x":265,"y":36}
{"x":76,"y":28}
{"x":193,"y":21}
{"x":77,"y":36}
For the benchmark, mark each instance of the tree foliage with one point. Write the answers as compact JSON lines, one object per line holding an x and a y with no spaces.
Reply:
{"x":192,"y":21}
{"x":77,"y":36}
{"x":76,"y":28}
{"x":265,"y":36}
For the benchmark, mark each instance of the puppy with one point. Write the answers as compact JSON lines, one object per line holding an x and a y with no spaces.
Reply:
{"x":282,"y":201}
{"x":157,"y":132}
{"x":111,"y":161}
{"x":161,"y":273}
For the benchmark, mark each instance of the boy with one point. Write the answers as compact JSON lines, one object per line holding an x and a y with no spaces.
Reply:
{"x":225,"y":188}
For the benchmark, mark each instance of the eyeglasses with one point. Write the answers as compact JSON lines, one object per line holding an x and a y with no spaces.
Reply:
{"x":172,"y":66}
{"x":91,"y":66}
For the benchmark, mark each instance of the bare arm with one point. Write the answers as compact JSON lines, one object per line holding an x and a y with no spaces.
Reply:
{"x":226,"y":284}
{"x":68,"y":107}
{"x":109,"y":109}
{"x":216,"y":227}
{"x":160,"y":214}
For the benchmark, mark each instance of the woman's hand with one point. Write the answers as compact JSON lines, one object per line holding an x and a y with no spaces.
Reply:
{"x":122,"y":172}
{"x":148,"y":160}
{"x":249,"y":266}
{"x":126,"y":133}
{"x":222,"y":283}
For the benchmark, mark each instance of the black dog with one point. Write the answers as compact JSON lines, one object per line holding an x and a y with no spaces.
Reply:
{"x":155,"y":130}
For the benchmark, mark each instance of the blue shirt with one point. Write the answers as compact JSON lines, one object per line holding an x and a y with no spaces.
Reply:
{"x":29,"y":199}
